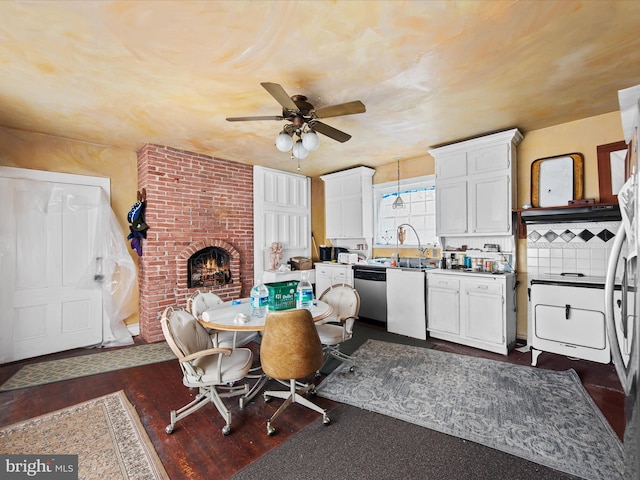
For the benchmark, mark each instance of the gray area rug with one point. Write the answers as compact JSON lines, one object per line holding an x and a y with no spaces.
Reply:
{"x":363,"y":332}
{"x":540,"y":415}
{"x":363,"y":445}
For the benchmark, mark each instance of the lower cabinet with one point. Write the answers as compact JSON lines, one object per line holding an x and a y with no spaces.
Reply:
{"x":328,"y":274}
{"x":472,"y":309}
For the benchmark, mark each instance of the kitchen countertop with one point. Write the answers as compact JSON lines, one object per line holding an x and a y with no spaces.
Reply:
{"x":470,"y":273}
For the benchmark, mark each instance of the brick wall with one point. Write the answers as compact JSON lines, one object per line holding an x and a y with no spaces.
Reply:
{"x":193,"y":201}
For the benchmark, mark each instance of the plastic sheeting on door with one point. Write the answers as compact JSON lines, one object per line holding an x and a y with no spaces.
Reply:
{"x":113,"y":270}
{"x":110,"y":268}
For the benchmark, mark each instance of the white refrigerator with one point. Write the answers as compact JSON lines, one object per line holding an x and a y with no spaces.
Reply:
{"x":624,"y":332}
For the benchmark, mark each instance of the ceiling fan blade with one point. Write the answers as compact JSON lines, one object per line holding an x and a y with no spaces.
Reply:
{"x":280,"y":95}
{"x":330,"y":132}
{"x":246,"y":119}
{"x":342,"y":109}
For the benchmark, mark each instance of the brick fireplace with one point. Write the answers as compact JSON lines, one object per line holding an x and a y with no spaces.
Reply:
{"x":193,"y":202}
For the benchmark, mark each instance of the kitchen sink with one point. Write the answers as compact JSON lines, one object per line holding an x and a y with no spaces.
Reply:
{"x":416,"y":268}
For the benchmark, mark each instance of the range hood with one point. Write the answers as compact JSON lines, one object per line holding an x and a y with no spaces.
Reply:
{"x":599,"y":212}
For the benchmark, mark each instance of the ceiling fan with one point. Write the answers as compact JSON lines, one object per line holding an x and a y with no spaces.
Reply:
{"x":304,"y":119}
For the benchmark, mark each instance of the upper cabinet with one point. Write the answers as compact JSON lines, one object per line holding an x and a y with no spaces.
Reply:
{"x":475,"y":185}
{"x":349,"y":203}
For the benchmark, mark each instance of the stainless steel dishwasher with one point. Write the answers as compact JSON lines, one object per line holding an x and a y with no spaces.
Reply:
{"x":371,"y":284}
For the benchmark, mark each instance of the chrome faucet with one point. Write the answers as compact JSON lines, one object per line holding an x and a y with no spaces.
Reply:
{"x":420,"y":249}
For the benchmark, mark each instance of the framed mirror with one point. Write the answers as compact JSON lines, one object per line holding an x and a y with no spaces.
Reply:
{"x":613,"y":170}
{"x":556,"y":180}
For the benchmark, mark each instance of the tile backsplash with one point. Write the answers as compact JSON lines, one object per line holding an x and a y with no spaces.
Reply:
{"x":569,"y":247}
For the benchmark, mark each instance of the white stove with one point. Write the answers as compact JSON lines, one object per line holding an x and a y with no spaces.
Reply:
{"x":568,"y":317}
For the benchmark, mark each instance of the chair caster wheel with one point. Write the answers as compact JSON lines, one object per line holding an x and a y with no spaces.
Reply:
{"x":168,"y":429}
{"x":226,"y":430}
{"x":326,"y":420}
{"x":352,"y":369}
{"x":241,"y":403}
{"x":270,"y":430}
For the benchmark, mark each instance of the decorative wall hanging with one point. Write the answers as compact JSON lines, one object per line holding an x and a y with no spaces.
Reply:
{"x":557,"y":180}
{"x":138,"y":227}
{"x":613,"y":170}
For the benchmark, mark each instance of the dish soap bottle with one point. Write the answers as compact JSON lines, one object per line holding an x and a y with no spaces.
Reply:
{"x":259,"y":300}
{"x":304,"y":292}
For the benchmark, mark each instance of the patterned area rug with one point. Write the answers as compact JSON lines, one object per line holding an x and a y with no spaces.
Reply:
{"x":540,"y":415}
{"x":105,"y":433}
{"x":81,"y":366}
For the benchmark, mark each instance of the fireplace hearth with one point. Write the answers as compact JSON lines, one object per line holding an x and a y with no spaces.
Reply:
{"x":209,"y":267}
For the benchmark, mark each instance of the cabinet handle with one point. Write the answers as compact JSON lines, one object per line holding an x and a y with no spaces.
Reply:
{"x":483,"y":287}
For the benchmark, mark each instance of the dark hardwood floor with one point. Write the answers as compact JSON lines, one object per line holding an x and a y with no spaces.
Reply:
{"x":198,"y":450}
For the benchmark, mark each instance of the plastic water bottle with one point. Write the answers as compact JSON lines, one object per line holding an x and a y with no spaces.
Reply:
{"x":259,"y":301}
{"x":304,"y":292}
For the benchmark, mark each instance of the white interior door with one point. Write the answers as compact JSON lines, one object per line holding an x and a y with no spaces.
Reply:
{"x":46,"y":245}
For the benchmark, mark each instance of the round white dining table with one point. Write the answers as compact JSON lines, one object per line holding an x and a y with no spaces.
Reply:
{"x":225,"y":316}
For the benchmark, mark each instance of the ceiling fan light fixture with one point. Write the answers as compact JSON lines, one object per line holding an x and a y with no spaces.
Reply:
{"x":310,"y":141}
{"x":299,"y":151}
{"x":284,"y":142}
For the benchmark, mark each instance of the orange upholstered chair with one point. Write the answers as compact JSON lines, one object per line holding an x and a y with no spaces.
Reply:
{"x":291,"y":350}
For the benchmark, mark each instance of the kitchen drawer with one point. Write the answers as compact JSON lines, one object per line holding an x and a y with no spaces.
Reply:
{"x":483,"y":287}
{"x":321,"y":270}
{"x":340,"y":274}
{"x":441,"y":281}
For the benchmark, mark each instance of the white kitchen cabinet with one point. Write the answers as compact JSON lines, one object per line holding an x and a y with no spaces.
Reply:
{"x":474,"y":185}
{"x":406,"y":314}
{"x":443,"y":305}
{"x":451,"y":205}
{"x":472,"y":309}
{"x":328,"y":274}
{"x":349,"y":203}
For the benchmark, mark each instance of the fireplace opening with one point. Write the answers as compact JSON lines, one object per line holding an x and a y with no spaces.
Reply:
{"x":209,"y":267}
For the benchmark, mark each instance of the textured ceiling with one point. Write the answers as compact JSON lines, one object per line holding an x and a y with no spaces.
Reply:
{"x":126,"y":73}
